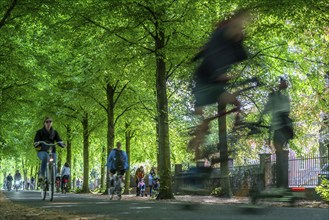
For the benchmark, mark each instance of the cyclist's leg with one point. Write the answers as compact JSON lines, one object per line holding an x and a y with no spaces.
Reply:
{"x":43,"y":156}
{"x":111,"y":183}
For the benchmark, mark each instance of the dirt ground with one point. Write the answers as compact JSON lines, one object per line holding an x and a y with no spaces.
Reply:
{"x":11,"y":211}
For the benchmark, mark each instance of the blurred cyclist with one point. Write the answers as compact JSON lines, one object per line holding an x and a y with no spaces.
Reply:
{"x":223,"y":50}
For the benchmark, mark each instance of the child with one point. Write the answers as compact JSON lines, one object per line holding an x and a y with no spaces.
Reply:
{"x":141,"y":186}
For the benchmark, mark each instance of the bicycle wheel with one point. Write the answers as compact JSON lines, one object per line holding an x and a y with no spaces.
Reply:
{"x":43,"y":187}
{"x":65,"y":188}
{"x":51,"y":181}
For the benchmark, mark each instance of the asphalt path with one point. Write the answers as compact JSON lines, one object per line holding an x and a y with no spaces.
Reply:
{"x":87,"y":205}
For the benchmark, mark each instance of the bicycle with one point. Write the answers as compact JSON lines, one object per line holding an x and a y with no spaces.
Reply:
{"x":17,"y":185}
{"x":49,"y":182}
{"x":65,"y":186}
{"x":117,"y":186}
{"x":9,"y":184}
{"x":199,"y":133}
{"x":58,"y":184}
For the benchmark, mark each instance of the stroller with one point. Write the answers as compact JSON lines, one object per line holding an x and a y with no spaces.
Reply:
{"x":141,"y":187}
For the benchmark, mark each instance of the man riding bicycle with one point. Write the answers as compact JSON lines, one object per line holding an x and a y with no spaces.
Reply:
{"x":117,"y":161}
{"x":9,"y":179}
{"x":17,"y":176}
{"x":49,"y":135}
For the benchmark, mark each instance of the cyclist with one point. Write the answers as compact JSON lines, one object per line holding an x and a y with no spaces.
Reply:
{"x":9,"y":179}
{"x":211,"y":78}
{"x":65,"y":174}
{"x":117,"y":161}
{"x":17,"y":176}
{"x":50,"y":135}
{"x":278,"y":105}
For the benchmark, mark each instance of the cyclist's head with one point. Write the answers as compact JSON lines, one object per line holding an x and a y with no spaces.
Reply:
{"x":119,"y":145}
{"x":17,"y":171}
{"x":283,"y":83}
{"x":66,"y":164}
{"x":48,"y":122}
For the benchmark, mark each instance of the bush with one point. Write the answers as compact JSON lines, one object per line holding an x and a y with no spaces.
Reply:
{"x":323,"y":190}
{"x":217,"y":192}
{"x":78,"y":190}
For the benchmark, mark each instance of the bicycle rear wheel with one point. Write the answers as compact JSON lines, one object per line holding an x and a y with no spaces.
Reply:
{"x":65,"y":188}
{"x":51,"y":181}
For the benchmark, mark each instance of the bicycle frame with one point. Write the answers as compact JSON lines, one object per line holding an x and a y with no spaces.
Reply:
{"x":117,"y":188}
{"x":49,"y":182}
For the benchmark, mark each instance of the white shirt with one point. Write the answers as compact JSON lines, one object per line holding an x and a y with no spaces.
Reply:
{"x":65,"y":171}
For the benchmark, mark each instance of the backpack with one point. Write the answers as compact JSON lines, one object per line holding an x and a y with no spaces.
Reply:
{"x":118,"y":160}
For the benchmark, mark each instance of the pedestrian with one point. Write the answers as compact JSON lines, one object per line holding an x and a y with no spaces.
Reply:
{"x":151,"y":177}
{"x":139,"y":174}
{"x":78,"y":183}
{"x":32,"y":183}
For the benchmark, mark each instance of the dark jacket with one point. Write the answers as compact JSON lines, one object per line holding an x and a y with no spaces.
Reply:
{"x":9,"y":178}
{"x":219,"y":54}
{"x":49,"y":137}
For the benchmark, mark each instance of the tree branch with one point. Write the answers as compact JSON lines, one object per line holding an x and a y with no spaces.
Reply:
{"x":8,"y":12}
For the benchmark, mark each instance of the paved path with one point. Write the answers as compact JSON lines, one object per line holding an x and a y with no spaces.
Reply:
{"x":163,"y":210}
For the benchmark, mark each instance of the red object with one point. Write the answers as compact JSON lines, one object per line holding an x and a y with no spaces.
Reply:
{"x":298,"y":189}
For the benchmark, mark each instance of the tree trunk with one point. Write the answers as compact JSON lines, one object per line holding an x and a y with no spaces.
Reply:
{"x":103,"y":163}
{"x":127,"y":176}
{"x":162,"y":115}
{"x":324,"y":142}
{"x":223,"y":149}
{"x":69,"y":152}
{"x":110,"y":116}
{"x":85,"y":125}
{"x":110,"y":124}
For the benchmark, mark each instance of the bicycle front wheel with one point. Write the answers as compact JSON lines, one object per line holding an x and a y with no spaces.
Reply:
{"x":43,"y":191}
{"x":52,"y":170}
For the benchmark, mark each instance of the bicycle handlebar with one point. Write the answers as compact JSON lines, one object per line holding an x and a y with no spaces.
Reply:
{"x":38,"y":143}
{"x":45,"y":143}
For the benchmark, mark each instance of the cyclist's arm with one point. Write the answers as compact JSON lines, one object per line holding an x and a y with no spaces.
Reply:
{"x":59,"y":140}
{"x":37,"y":139}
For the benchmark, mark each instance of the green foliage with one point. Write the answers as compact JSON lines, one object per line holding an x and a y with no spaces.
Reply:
{"x":323,"y":189}
{"x":218,"y":192}
{"x":57,"y":59}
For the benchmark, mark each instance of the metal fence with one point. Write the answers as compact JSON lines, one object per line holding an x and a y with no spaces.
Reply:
{"x":304,"y":171}
{"x":301,"y":172}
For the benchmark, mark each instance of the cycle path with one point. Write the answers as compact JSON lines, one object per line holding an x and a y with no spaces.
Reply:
{"x":102,"y":207}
